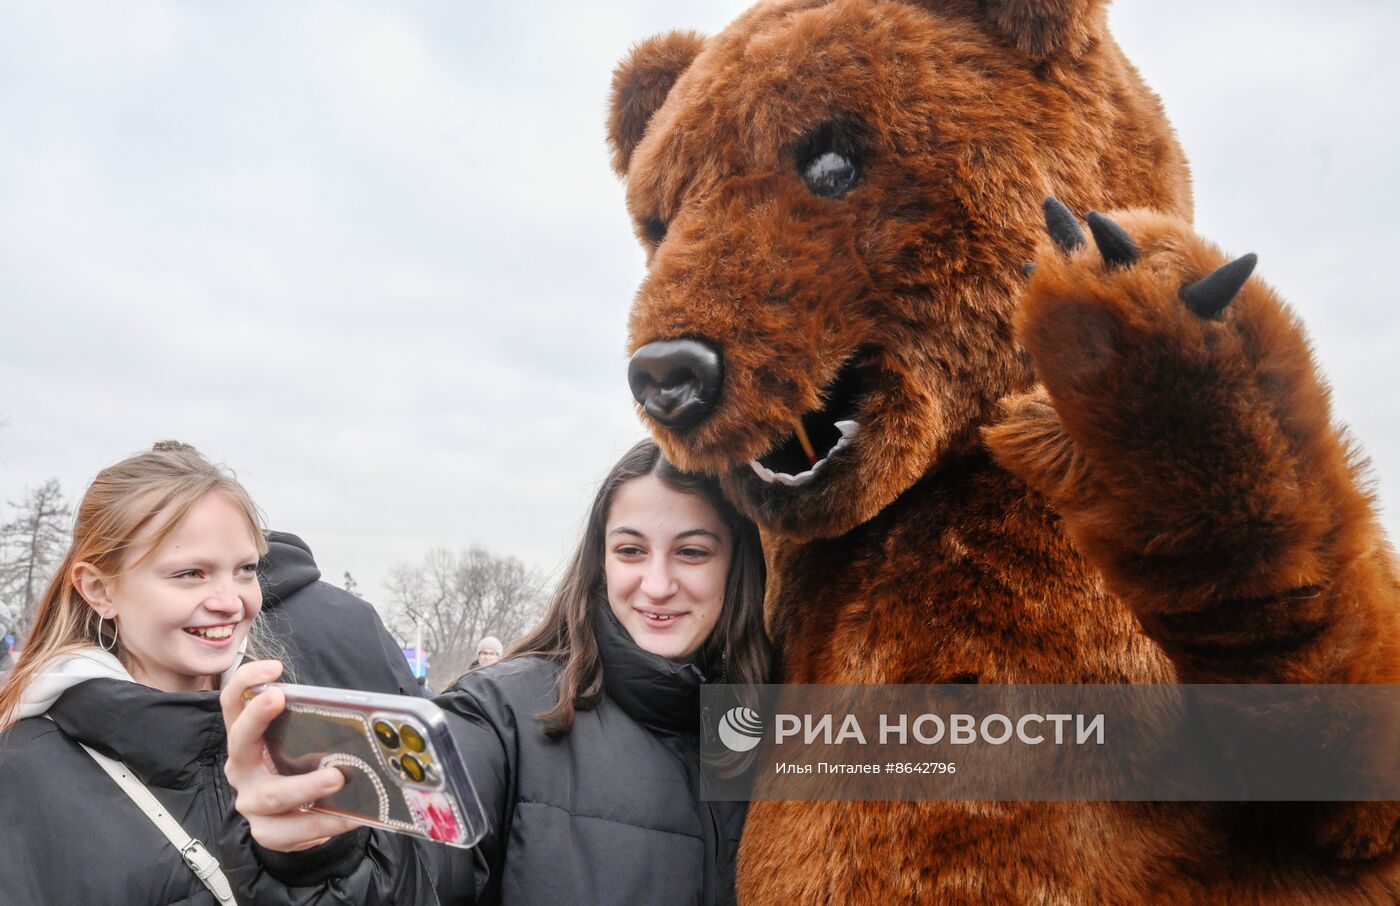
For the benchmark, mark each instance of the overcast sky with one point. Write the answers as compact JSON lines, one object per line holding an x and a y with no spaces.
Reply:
{"x":371,"y":255}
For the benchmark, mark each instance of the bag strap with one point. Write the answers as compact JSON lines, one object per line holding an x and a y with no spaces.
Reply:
{"x":199,"y":859}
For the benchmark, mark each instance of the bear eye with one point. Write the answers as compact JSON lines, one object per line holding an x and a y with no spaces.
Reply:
{"x":831,"y":175}
{"x":654,"y":228}
{"x":829,"y":158}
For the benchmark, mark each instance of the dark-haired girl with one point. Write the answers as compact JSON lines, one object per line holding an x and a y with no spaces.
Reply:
{"x":582,"y":742}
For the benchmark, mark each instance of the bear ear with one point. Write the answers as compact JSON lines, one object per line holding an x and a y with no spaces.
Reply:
{"x":1045,"y":28}
{"x":640,"y":85}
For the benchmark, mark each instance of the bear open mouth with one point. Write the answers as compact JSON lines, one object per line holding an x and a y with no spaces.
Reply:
{"x":828,"y":431}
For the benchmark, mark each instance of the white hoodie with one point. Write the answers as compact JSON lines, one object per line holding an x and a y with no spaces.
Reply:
{"x":79,"y":667}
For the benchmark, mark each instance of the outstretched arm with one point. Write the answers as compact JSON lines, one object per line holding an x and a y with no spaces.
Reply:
{"x":272,"y":851}
{"x":1184,"y":435}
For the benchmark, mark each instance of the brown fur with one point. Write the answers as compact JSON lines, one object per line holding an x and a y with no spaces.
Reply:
{"x":1069,"y":478}
{"x":640,"y":86}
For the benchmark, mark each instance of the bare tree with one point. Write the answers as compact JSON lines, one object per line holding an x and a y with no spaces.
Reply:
{"x":32,"y":543}
{"x":458,"y":598}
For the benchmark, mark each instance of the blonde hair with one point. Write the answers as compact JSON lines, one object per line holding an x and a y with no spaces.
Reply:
{"x":121,"y":501}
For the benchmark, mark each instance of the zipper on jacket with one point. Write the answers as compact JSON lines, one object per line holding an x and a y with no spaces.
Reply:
{"x":223,"y":797}
{"x":706,"y":725}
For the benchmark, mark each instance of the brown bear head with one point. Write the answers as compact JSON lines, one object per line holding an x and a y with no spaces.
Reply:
{"x":835,"y":198}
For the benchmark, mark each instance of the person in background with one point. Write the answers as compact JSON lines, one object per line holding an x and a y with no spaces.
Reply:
{"x":327,"y":632}
{"x":488,"y":651}
{"x":146,"y":616}
{"x":595,"y":798}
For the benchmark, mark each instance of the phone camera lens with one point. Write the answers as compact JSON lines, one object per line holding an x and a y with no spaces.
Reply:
{"x":387,"y":735}
{"x":412,"y":739}
{"x":412,"y":768}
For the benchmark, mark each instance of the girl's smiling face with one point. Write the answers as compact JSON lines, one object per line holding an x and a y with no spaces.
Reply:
{"x":666,"y":561}
{"x":183,"y":610}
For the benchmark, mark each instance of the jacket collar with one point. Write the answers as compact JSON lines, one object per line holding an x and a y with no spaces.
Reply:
{"x":165,"y":737}
{"x":657,"y":692}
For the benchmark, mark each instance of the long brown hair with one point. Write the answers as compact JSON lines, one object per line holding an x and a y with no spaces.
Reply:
{"x":565,"y":634}
{"x":121,"y":501}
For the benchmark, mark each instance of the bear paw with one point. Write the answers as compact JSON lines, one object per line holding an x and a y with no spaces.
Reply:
{"x":1143,"y":316}
{"x":1180,"y":425}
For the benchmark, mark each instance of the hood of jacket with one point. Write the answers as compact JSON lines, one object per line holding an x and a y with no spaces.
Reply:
{"x":65,"y":673}
{"x":71,"y":670}
{"x":286,"y":568}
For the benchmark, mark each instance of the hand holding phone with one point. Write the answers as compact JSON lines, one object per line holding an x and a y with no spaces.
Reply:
{"x":272,"y":804}
{"x":402,"y":771}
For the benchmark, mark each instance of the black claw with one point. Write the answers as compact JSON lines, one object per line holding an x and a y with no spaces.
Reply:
{"x":1061,"y":226}
{"x":1116,"y":246}
{"x":1208,"y":296}
{"x":1028,"y":268}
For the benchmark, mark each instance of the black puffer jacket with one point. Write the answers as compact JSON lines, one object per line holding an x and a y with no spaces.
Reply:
{"x":609,"y":814}
{"x":70,"y":835}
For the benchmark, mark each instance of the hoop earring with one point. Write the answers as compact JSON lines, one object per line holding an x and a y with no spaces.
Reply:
{"x":101,"y":641}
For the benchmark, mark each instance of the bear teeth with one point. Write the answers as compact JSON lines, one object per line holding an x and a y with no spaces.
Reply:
{"x":848,"y":431}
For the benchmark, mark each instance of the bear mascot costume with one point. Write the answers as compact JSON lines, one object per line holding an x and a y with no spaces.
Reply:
{"x":990,"y":435}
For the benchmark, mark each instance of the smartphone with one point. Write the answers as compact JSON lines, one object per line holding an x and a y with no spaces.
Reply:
{"x":402,"y":769}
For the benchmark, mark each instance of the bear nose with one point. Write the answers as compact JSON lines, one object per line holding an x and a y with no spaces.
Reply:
{"x":676,"y":381}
